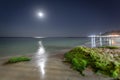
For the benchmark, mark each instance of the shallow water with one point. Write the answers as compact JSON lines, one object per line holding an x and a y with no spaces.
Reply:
{"x":29,"y":46}
{"x":24,"y":46}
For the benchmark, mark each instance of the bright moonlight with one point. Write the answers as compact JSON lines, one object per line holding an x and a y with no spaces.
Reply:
{"x":40,"y":14}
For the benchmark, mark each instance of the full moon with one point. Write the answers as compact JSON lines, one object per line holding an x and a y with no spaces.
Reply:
{"x":40,"y":14}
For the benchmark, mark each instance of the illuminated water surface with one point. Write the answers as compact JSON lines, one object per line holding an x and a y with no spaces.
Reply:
{"x":41,"y":59}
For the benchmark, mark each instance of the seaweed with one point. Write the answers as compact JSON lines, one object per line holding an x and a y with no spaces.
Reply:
{"x":82,"y":57}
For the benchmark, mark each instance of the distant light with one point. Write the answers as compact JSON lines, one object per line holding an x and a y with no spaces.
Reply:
{"x":92,"y":36}
{"x":40,"y":14}
{"x":114,"y":35}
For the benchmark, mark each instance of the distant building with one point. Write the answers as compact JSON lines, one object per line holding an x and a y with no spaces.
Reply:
{"x":114,"y":33}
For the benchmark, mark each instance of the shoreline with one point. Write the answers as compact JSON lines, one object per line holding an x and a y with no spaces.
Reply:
{"x":32,"y":54}
{"x":44,"y":67}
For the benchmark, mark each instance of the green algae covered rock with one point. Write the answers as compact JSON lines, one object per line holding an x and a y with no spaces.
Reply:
{"x":18,"y":59}
{"x":82,"y":57}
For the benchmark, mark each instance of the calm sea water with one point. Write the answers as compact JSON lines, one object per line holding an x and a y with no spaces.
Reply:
{"x":24,"y":46}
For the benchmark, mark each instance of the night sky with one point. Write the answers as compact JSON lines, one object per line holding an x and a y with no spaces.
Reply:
{"x":62,"y":18}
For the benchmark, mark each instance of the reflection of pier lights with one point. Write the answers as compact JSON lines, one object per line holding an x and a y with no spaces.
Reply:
{"x":110,"y":41}
{"x":102,"y":39}
{"x":93,"y":42}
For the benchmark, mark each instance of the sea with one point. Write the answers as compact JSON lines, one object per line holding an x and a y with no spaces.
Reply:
{"x":12,"y":46}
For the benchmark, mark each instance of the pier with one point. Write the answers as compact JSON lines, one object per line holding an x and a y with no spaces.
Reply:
{"x":100,"y":40}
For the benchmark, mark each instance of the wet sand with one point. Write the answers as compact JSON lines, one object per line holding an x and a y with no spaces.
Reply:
{"x":45,"y":67}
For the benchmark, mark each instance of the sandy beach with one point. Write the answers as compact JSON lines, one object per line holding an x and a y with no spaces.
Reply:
{"x":45,"y":67}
